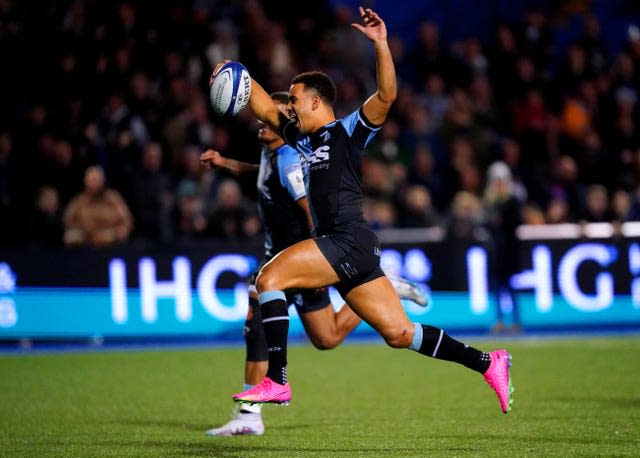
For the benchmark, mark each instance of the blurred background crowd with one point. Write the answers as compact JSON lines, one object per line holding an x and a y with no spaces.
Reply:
{"x":104,"y":112}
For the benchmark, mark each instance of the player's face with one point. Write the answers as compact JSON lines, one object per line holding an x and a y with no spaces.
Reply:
{"x":301,"y":106}
{"x":265,"y":134}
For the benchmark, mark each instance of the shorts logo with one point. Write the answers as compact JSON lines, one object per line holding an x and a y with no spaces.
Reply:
{"x":349,"y":271}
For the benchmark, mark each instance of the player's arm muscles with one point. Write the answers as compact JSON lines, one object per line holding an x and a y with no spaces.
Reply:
{"x":213,"y":159}
{"x":378,"y":105}
{"x":264,"y":108}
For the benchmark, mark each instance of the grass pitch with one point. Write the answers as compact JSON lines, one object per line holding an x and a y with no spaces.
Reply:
{"x":573,"y":398}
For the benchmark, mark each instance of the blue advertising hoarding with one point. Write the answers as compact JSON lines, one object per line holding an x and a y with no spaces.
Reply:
{"x":200,"y":290}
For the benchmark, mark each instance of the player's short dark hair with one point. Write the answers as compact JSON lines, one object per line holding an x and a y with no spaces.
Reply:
{"x":319,"y":81}
{"x":280,"y":97}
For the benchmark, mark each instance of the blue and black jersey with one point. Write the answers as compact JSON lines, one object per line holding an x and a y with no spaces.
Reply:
{"x":332,"y":160}
{"x":280,"y":186}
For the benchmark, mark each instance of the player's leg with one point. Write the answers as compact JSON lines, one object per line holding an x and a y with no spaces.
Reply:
{"x":256,"y":361}
{"x":325,"y":327}
{"x":377,"y":303}
{"x":301,"y":266}
{"x":407,"y":289}
{"x":246,"y":418}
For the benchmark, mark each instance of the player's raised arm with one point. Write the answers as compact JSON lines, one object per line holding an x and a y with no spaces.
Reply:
{"x":378,"y":105}
{"x":263,"y":106}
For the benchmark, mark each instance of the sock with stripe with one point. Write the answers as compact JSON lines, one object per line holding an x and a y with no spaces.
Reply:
{"x":434,"y":342}
{"x":275,"y":320}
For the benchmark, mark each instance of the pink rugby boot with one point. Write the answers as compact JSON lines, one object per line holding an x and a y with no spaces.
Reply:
{"x":267,"y":391}
{"x":498,"y":378}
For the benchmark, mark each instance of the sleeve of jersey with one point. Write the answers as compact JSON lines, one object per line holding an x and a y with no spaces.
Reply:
{"x":289,"y":133}
{"x":290,"y":172}
{"x":359,"y":128}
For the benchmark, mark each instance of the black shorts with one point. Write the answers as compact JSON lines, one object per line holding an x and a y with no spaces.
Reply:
{"x":354,"y":255}
{"x":305,"y":300}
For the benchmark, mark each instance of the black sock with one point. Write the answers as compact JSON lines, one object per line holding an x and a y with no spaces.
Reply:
{"x":254,"y":339}
{"x":437,"y":344}
{"x":275,"y":320}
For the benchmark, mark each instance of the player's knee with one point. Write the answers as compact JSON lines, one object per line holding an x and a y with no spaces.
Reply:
{"x":397,"y":338}
{"x":325,"y":342}
{"x":266,"y":281}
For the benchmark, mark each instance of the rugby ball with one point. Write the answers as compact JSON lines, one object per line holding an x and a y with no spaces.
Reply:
{"x":230,"y":89}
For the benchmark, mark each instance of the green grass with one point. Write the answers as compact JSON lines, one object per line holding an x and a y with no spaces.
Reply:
{"x":573,"y":398}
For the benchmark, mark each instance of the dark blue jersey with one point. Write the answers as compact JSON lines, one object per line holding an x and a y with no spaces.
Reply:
{"x":280,"y":186}
{"x":332,"y":161}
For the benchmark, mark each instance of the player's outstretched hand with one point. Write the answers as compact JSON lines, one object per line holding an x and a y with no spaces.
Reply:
{"x":373,"y":28}
{"x":210,"y":159}
{"x":217,"y":69}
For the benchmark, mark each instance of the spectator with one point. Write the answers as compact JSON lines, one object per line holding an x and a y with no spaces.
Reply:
{"x":379,"y":213}
{"x":98,"y":215}
{"x":504,"y":214}
{"x":152,"y":197}
{"x":532,"y":214}
{"x":621,"y":205}
{"x":557,"y":211}
{"x":417,"y":209}
{"x":596,"y":205}
{"x":45,"y":225}
{"x":231,"y":216}
{"x":466,"y":218}
{"x":7,"y":185}
{"x":583,"y":107}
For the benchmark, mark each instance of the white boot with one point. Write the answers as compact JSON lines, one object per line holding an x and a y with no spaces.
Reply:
{"x":245,"y":420}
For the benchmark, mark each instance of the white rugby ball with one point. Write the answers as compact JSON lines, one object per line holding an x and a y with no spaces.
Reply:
{"x":230,"y":89}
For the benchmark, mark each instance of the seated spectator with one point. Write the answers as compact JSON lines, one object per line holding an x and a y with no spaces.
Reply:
{"x":45,"y":224}
{"x":190,"y":221}
{"x":466,"y":218}
{"x":417,"y":208}
{"x":152,"y":197}
{"x":232,"y":214}
{"x":532,"y":214}
{"x":98,"y":215}
{"x":557,"y":211}
{"x":379,"y":213}
{"x":621,"y":203}
{"x":596,"y":205}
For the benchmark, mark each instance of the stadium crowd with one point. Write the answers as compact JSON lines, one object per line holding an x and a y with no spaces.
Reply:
{"x":105,"y":111}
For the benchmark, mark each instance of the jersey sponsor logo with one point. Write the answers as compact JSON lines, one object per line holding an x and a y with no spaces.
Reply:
{"x":319,"y":159}
{"x":321,"y":154}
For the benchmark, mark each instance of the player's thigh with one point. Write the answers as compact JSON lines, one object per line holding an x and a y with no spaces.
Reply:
{"x":299,"y":266}
{"x":377,"y":303}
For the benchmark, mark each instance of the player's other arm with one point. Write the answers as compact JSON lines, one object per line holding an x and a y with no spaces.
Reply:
{"x":378,"y":105}
{"x":213,"y":159}
{"x":304,"y":204}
